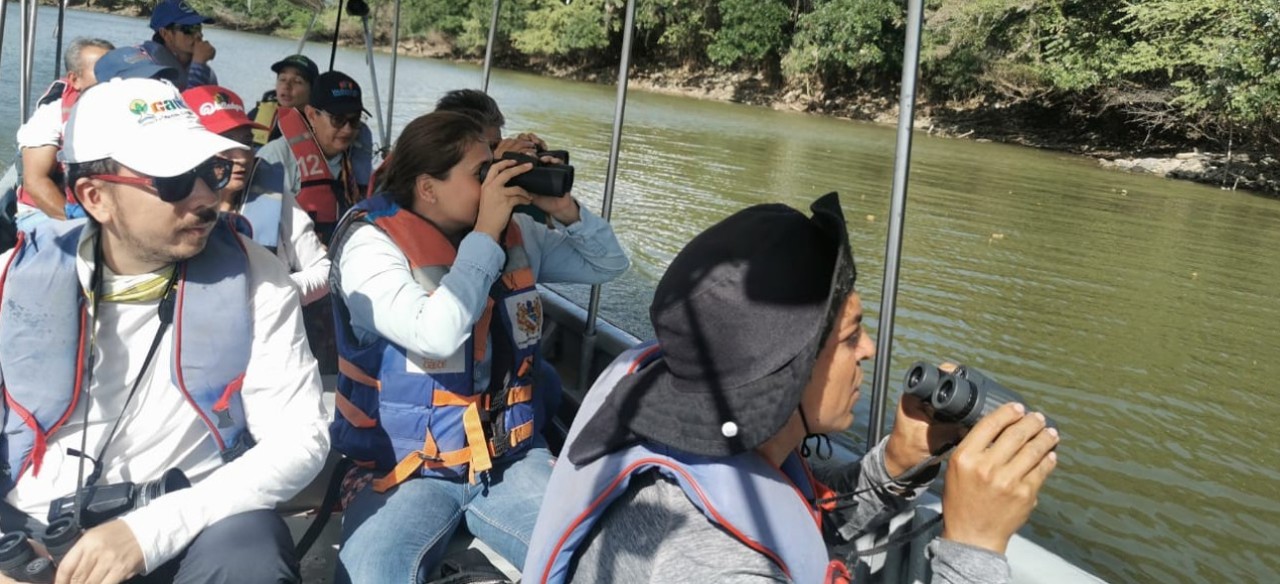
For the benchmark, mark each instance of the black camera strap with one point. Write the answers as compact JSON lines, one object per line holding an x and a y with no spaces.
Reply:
{"x":165,"y":312}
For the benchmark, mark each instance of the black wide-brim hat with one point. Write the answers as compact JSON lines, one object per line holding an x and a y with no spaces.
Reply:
{"x":740,"y":315}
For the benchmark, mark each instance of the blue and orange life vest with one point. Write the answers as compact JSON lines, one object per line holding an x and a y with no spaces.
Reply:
{"x":409,"y":415}
{"x":768,"y":509}
{"x":45,"y":327}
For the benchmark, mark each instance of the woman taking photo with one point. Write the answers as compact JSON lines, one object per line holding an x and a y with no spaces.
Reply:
{"x":438,"y":323}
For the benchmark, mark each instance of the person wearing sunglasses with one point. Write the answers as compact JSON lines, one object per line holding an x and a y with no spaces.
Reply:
{"x":178,"y":42}
{"x":153,"y":338}
{"x":323,"y":159}
{"x":278,"y":224}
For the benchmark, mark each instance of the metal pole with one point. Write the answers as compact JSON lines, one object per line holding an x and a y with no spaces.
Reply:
{"x":23,"y":88}
{"x":306,"y":35}
{"x":4,"y":14}
{"x":611,"y":175}
{"x":488,"y":46}
{"x":31,"y":54}
{"x":897,"y":210}
{"x":337,"y":26}
{"x":391,"y":91}
{"x":57,"y":50}
{"x":373,"y":78}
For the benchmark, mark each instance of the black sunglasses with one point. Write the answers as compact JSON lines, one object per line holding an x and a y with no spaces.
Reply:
{"x":189,"y":29}
{"x":215,"y":172}
{"x":340,"y":122}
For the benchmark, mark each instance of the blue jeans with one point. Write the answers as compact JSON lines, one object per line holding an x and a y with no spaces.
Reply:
{"x":401,"y":535}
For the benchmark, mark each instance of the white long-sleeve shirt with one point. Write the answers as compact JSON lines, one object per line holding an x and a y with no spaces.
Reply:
{"x":385,"y":300}
{"x":160,"y":430}
{"x":300,"y":249}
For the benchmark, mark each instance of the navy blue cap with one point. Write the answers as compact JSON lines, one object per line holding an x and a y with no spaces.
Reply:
{"x":171,"y":12}
{"x":132,"y":63}
{"x":336,"y":93}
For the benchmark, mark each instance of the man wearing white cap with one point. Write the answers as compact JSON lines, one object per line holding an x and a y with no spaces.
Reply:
{"x":152,"y":343}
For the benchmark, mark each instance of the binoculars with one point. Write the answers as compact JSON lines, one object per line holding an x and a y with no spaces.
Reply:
{"x":958,"y":393}
{"x":19,"y":561}
{"x":545,"y":180}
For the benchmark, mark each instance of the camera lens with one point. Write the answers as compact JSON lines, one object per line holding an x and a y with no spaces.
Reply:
{"x":172,"y":480}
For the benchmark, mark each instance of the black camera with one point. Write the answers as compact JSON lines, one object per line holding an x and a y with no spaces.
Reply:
{"x":958,"y":393}
{"x":99,"y":504}
{"x":546,"y":180}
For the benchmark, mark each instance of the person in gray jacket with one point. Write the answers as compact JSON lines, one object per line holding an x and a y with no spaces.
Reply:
{"x":687,"y":459}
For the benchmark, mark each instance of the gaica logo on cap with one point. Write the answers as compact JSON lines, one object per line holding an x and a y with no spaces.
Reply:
{"x":137,"y":107}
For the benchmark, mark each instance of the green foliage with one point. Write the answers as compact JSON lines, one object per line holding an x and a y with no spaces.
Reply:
{"x":554,"y":28}
{"x":750,"y":31}
{"x":847,"y":40}
{"x":1202,"y":67}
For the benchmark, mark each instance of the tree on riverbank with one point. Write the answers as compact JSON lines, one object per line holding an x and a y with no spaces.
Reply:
{"x":1131,"y":74}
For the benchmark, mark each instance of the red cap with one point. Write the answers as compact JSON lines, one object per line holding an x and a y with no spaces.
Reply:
{"x":218,"y":108}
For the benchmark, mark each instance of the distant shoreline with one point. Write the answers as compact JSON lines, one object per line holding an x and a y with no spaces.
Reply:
{"x":1023,"y":126}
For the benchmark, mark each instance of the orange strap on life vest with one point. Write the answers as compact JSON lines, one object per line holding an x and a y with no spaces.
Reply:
{"x":316,"y":194}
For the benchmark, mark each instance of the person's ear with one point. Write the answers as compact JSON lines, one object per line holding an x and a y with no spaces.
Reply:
{"x":424,"y":188}
{"x":93,"y":196}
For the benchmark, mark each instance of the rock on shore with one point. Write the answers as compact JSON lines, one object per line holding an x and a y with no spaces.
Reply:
{"x":1240,"y":171}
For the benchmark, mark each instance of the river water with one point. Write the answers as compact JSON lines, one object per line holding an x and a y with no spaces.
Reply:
{"x":1140,"y":313}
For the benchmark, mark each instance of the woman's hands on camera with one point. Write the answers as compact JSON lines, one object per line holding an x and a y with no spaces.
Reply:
{"x":995,"y":475}
{"x":497,"y":199}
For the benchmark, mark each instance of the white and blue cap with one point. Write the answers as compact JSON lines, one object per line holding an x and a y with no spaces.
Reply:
{"x":141,"y":123}
{"x":171,"y":12}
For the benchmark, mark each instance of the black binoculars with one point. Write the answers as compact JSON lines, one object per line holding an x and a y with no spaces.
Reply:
{"x":19,"y":561}
{"x":958,"y":393}
{"x":546,"y":180}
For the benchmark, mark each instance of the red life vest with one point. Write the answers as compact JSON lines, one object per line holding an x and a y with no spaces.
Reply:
{"x":60,"y":89}
{"x":321,"y":195}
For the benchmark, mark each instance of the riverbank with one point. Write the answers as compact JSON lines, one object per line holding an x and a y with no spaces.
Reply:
{"x":1110,"y":140}
{"x":1114,"y":144}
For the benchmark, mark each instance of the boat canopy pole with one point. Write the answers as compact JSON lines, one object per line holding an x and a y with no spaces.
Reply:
{"x":488,"y":46}
{"x":302,"y":42}
{"x":31,"y":52}
{"x":24,"y":79}
{"x":57,"y":47}
{"x":373,"y":78}
{"x":4,"y":14}
{"x":391,"y":91}
{"x":337,"y":27}
{"x":611,"y":176}
{"x":897,"y":210}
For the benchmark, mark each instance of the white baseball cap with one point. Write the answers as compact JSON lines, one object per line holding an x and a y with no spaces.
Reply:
{"x":141,"y":123}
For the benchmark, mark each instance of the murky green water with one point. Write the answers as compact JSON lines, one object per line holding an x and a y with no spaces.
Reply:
{"x":1140,"y":313}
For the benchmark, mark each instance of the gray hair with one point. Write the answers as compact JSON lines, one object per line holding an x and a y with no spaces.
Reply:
{"x":72,"y":58}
